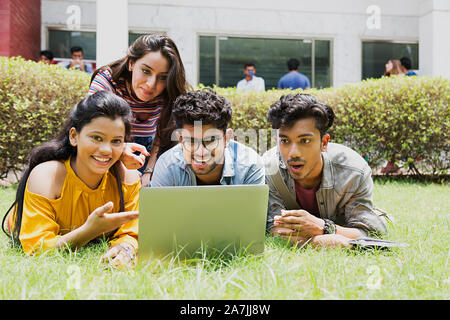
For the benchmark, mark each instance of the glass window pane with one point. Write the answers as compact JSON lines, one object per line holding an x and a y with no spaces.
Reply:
{"x":269,"y":56}
{"x":60,"y":43}
{"x":132,"y":36}
{"x":322,"y":64}
{"x":207,"y":61}
{"x":376,"y":54}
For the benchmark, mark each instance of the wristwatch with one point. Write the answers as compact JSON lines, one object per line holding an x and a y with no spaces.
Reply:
{"x":329,"y":227}
{"x":148,"y":170}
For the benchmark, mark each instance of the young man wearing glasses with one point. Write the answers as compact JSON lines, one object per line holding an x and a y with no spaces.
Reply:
{"x":206,"y":154}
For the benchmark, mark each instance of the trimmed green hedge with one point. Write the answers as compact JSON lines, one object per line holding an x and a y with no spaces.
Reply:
{"x":35,"y":99}
{"x":404,"y":120}
{"x":401,"y":119}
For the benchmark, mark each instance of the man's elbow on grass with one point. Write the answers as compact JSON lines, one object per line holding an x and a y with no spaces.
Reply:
{"x":367,"y":222}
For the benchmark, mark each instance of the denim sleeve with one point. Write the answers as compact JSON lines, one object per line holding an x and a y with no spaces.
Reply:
{"x":359,"y":211}
{"x":255,"y":173}
{"x":162,"y":175}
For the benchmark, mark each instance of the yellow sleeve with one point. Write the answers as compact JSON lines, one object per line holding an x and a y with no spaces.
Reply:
{"x":128,"y":232}
{"x":39,"y":230}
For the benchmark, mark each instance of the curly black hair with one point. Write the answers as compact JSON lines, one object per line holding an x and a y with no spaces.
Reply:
{"x":291,"y":108}
{"x":202,"y":105}
{"x":293,"y":64}
{"x":406,"y":62}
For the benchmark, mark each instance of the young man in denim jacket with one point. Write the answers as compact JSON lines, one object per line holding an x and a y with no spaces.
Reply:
{"x":328,"y":187}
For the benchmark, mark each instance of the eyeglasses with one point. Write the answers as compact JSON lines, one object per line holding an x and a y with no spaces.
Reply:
{"x":192,"y":144}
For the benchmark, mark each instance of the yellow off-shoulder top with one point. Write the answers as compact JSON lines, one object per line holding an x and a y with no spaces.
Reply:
{"x":45,"y":220}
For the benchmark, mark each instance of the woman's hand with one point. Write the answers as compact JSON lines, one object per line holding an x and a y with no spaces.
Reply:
{"x":129,"y":159}
{"x":122,"y":254}
{"x":101,"y":221}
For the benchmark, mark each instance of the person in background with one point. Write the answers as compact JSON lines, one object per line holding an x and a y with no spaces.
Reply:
{"x":77,"y":62}
{"x":46,"y":57}
{"x":407,"y":65}
{"x":251,"y":82}
{"x":294,"y":79}
{"x":393,"y":67}
{"x":150,"y":77}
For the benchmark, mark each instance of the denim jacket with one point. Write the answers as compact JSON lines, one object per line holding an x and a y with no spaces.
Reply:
{"x":344,"y":195}
{"x":242,"y":165}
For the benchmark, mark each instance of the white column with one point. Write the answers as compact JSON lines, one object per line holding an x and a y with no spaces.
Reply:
{"x":346,"y":59}
{"x":112,"y":30}
{"x":434,"y":38}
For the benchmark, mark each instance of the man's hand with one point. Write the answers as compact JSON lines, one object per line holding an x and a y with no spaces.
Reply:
{"x":331,"y":241}
{"x":72,"y":63}
{"x":77,"y":62}
{"x":130,"y":160}
{"x":324,"y":240}
{"x":291,"y":235}
{"x":145,"y":179}
{"x":122,"y":254}
{"x":301,"y":221}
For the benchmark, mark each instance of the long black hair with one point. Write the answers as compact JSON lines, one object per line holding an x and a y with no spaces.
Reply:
{"x":176,"y":78}
{"x":100,"y":104}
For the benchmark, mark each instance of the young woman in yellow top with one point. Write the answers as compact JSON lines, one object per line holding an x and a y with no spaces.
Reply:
{"x":75,"y":189}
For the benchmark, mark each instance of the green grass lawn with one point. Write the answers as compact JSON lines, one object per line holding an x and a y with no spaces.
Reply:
{"x":421,"y":213}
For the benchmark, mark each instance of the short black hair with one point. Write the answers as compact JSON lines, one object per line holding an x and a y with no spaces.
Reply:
{"x":76,"y":49}
{"x":202,"y":105}
{"x":406,"y":62}
{"x":293,"y":64}
{"x":48,"y":54}
{"x":290,"y":108}
{"x":249,"y":64}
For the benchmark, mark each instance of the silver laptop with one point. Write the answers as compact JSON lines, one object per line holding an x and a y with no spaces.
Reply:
{"x":184,"y":222}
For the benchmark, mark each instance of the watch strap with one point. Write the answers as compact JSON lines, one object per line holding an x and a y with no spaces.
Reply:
{"x":148,"y":170}
{"x":329,"y":227}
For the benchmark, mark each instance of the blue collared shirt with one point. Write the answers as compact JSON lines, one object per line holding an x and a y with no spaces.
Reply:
{"x":242,"y":165}
{"x":294,"y":80}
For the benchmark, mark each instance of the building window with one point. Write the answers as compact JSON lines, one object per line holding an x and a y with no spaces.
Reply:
{"x":375,"y":54}
{"x":207,"y":63}
{"x":60,"y":42}
{"x":222,"y":59}
{"x":133,"y":36}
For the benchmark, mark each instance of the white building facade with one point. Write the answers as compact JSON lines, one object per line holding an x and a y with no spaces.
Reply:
{"x":336,"y":41}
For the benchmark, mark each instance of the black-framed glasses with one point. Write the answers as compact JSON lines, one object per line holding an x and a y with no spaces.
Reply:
{"x":192,"y":144}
